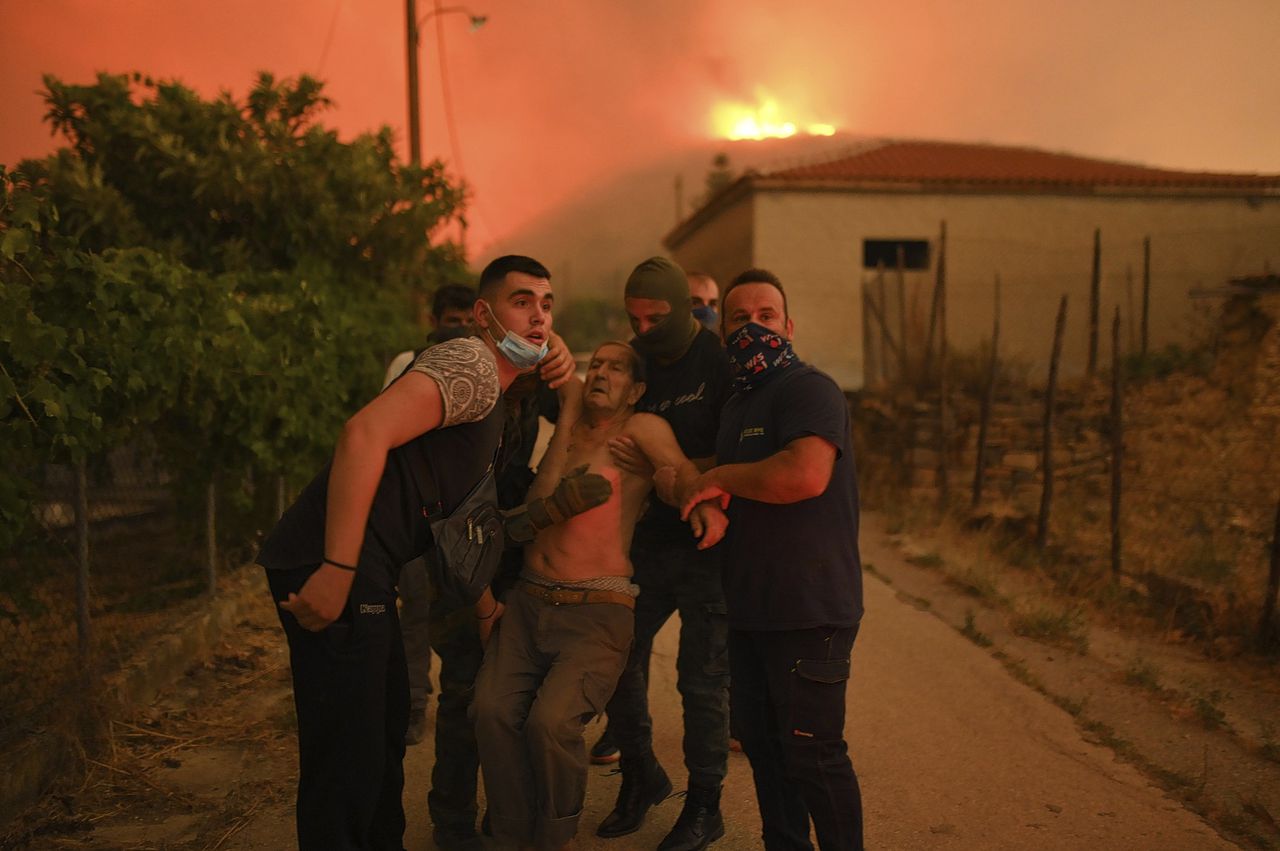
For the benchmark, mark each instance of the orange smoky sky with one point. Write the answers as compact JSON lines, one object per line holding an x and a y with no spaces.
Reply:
{"x":552,"y":96}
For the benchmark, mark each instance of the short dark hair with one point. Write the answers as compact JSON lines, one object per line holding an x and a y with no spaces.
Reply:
{"x":452,"y":297}
{"x":496,"y":272}
{"x":755,"y":276}
{"x":637,"y":362}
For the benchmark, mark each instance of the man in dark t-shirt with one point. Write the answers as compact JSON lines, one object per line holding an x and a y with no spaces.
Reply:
{"x":792,"y":575}
{"x":688,"y":381}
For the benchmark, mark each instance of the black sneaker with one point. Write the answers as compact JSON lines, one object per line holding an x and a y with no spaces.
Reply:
{"x":605,"y":751}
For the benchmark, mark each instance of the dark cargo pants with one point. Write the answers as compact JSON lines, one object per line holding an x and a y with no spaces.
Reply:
{"x":679,"y":578}
{"x":788,"y":698}
{"x":415,"y":626}
{"x":452,"y":799}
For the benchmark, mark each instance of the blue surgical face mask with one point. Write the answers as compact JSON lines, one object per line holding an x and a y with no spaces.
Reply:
{"x":518,"y":351}
{"x":706,"y":314}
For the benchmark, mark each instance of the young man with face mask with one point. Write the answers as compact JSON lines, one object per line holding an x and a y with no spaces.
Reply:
{"x":792,"y":575}
{"x":688,"y":382}
{"x":333,"y":558}
{"x":428,"y":621}
{"x":450,"y":318}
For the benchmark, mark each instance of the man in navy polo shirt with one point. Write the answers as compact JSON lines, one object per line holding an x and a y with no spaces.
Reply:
{"x":792,"y":576}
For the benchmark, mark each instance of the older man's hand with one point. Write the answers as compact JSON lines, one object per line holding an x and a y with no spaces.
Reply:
{"x":709,"y":524}
{"x":557,"y":367}
{"x":704,"y":487}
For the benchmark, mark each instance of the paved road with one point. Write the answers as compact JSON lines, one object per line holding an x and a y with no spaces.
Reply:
{"x":953,"y":753}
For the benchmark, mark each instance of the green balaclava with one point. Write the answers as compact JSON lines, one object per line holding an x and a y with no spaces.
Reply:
{"x":660,"y":279}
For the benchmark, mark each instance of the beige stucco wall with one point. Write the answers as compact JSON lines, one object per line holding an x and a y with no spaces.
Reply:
{"x":723,"y":246}
{"x":1041,"y":246}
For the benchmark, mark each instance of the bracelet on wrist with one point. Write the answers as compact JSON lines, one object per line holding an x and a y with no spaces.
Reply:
{"x":340,"y":565}
{"x":492,"y":612}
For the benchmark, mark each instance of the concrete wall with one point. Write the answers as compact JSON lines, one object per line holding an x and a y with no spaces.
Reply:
{"x":723,"y":246}
{"x":1041,"y":245}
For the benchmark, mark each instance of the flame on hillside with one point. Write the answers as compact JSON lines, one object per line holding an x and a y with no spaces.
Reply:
{"x":762,"y":120}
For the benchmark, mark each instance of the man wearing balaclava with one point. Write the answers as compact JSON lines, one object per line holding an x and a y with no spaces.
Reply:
{"x":688,"y":382}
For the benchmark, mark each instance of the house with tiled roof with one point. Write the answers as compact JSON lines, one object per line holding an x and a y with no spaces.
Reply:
{"x":1027,"y":215}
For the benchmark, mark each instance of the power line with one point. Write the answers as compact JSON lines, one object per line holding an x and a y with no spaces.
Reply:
{"x":446,"y":97}
{"x":328,"y":39}
{"x":450,"y":125}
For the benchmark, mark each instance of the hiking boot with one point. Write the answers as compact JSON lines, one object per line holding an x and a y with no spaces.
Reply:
{"x":700,"y":822}
{"x":417,"y":730}
{"x":644,"y":784}
{"x":605,"y":750}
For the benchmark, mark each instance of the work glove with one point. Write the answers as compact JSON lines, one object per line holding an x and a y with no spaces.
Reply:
{"x":577,"y":492}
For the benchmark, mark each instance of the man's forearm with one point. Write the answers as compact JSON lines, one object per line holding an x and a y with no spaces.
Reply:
{"x":686,"y":474}
{"x":778,"y":479}
{"x":353,"y":479}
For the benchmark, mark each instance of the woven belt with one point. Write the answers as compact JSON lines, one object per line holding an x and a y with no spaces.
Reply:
{"x":577,"y":596}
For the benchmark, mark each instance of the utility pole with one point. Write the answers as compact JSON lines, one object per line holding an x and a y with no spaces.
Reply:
{"x":411,"y":54}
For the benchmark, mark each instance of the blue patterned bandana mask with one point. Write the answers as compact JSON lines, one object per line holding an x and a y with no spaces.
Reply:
{"x":755,"y":353}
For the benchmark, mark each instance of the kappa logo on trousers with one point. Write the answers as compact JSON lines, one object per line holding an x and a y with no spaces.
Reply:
{"x":373,"y":608}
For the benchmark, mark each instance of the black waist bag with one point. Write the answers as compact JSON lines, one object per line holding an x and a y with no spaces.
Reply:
{"x":469,"y":543}
{"x":469,"y":540}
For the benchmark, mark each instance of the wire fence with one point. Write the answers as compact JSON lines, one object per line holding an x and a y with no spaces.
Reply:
{"x":1156,"y":472}
{"x":114,"y":548}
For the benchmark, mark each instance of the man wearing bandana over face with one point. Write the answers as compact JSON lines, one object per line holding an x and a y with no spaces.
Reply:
{"x":792,"y":576}
{"x":688,"y":381}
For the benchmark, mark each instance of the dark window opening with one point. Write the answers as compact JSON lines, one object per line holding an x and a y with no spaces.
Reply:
{"x":915,"y":253}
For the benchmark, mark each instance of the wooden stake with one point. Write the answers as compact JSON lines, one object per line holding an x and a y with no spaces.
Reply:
{"x":1050,"y":391}
{"x":886,"y":338}
{"x":84,"y":627}
{"x":868,"y":349}
{"x":1095,"y":297}
{"x":211,"y":539}
{"x":1117,"y":444}
{"x":1146,"y":289}
{"x":944,"y":482}
{"x":938,"y":283}
{"x":988,"y":398}
{"x":883,"y":305}
{"x":904,"y":350}
{"x":1128,"y":294}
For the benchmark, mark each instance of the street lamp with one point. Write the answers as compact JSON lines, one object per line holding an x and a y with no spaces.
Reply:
{"x":412,"y":24}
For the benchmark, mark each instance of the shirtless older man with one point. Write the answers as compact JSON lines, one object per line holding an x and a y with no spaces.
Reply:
{"x":567,"y":626}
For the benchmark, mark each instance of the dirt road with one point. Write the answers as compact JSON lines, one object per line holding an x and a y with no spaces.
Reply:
{"x":952,"y":752}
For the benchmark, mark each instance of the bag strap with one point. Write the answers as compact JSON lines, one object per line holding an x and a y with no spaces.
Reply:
{"x":425,"y":481}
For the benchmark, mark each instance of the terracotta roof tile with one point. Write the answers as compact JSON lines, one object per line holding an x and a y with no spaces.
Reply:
{"x":953,"y":163}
